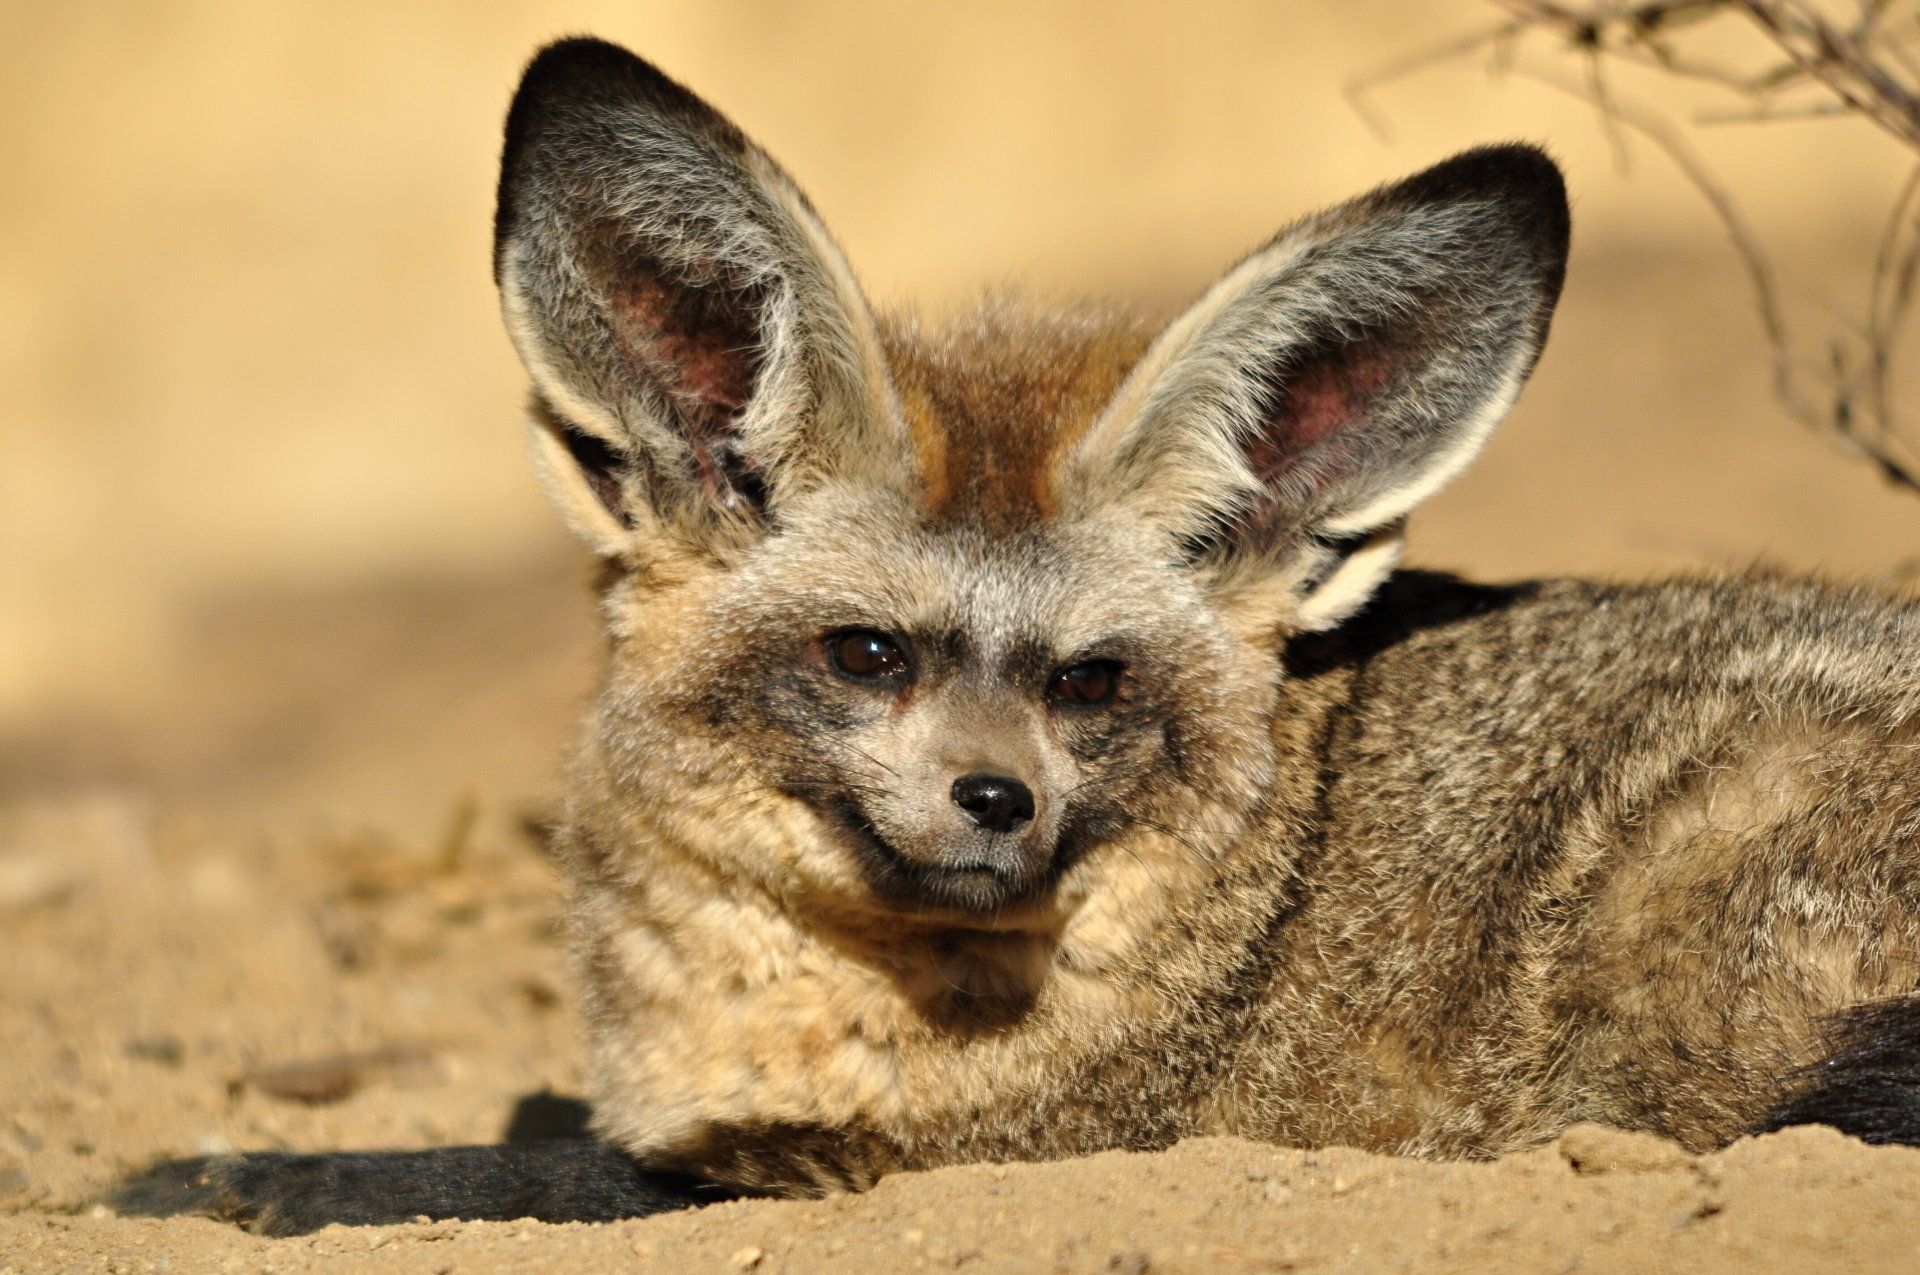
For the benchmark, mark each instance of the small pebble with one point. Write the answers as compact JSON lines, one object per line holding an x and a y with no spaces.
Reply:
{"x":319,"y":1081}
{"x":1593,"y":1148}
{"x":165,"y":1050}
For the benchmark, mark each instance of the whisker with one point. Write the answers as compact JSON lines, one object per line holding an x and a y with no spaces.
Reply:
{"x":863,"y":753}
{"x":793,"y":756}
{"x":717,"y":797}
{"x":830,"y":784}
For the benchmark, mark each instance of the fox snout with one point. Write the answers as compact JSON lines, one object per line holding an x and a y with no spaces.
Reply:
{"x":974,"y":840}
{"x":952,"y":759}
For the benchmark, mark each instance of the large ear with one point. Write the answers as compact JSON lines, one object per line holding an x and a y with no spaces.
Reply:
{"x":1335,"y":378}
{"x":698,"y":346}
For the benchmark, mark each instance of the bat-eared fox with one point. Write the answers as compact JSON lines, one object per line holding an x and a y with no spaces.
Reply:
{"x":1016,"y":739}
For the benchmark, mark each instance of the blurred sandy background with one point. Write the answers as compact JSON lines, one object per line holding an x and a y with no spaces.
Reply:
{"x":268,"y":540}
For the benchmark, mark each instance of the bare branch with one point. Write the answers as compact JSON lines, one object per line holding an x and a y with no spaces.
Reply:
{"x":1360,"y":87}
{"x":1821,"y":68}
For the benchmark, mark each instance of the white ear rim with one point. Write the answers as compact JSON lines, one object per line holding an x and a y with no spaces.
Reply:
{"x":1354,"y":581}
{"x":524,"y":334}
{"x":1176,"y":367}
{"x":583,"y":511}
{"x":1445,"y":466}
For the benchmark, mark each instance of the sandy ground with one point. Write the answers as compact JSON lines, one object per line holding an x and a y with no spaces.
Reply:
{"x":171,"y":994}
{"x":292,"y":901}
{"x":167,"y":994}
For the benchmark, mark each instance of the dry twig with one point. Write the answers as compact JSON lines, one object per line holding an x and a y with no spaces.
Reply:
{"x":1813,"y":66}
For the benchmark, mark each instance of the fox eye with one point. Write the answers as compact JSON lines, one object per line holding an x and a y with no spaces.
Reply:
{"x":866,"y":655}
{"x":1093,"y":682}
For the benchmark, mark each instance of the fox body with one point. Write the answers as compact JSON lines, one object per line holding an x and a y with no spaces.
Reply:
{"x":1016,"y":739}
{"x":1432,"y":909}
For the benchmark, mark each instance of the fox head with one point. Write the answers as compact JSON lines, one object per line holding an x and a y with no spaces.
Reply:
{"x":935,"y":623}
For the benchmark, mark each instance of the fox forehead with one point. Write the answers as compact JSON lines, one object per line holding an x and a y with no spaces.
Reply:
{"x":1055,"y":587}
{"x":976,"y":548}
{"x":993,"y":396}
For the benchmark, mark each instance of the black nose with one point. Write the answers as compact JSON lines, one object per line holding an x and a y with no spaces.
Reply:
{"x":997,"y":803}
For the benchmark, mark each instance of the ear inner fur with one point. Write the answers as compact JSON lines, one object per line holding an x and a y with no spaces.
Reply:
{"x":704,"y":337}
{"x":1341,"y":374}
{"x":672,"y":293}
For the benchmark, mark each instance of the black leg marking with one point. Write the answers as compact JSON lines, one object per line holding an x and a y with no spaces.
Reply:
{"x":1869,"y":1085}
{"x":282,"y":1193}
